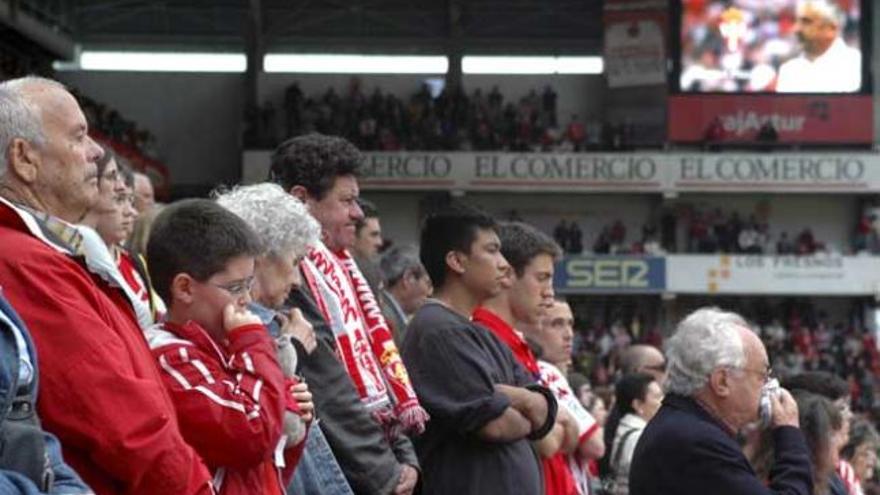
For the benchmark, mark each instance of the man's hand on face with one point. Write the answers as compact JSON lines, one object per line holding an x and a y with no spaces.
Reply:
{"x":785,"y":410}
{"x":235,"y":316}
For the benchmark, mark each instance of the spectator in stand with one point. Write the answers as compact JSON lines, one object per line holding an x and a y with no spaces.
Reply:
{"x":699,"y":236}
{"x":835,"y":390}
{"x":806,"y":243}
{"x":784,"y":245}
{"x":368,"y":232}
{"x":125,"y":437}
{"x":112,"y":218}
{"x":516,"y":311}
{"x":286,"y":231}
{"x":407,"y":286}
{"x":30,"y":462}
{"x":368,"y":242}
{"x":602,"y":245}
{"x":144,"y":193}
{"x":576,"y":132}
{"x":641,"y":358}
{"x":553,"y":336}
{"x":140,"y":234}
{"x":363,"y":419}
{"x":749,"y":241}
{"x":485,"y":406}
{"x":861,"y":453}
{"x":637,"y":398}
{"x":560,"y":235}
{"x":218,"y":361}
{"x":717,"y":369}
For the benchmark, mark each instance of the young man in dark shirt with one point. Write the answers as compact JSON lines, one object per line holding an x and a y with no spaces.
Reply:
{"x":485,"y":408}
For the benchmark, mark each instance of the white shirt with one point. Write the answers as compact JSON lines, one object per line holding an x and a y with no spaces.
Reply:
{"x":25,"y":368}
{"x":554,"y":379}
{"x":621,"y":470}
{"x":838,"y":70}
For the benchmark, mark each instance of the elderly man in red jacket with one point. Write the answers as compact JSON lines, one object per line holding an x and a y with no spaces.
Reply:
{"x":100,"y":392}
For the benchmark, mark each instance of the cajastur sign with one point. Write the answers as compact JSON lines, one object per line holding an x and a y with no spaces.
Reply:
{"x":795,"y":118}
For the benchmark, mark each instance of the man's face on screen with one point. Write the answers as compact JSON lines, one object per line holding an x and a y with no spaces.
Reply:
{"x":815,"y":31}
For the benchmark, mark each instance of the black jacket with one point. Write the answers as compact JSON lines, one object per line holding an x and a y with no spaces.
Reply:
{"x":370,"y":464}
{"x":684,"y":451}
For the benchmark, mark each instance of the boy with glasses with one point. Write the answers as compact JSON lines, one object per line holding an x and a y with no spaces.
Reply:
{"x":216,"y":358}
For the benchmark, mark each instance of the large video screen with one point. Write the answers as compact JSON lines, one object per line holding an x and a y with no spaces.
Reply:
{"x":771,"y":46}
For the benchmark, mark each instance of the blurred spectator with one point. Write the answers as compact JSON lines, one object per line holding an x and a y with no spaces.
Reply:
{"x":784,"y":245}
{"x":144,"y":193}
{"x":861,"y":452}
{"x":407,"y":286}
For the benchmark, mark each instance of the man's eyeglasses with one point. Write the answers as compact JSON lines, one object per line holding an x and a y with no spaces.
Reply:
{"x":766,"y":373}
{"x":237,"y":288}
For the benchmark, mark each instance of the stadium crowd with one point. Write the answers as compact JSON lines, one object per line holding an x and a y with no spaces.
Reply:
{"x":259,"y":342}
{"x":450,"y":120}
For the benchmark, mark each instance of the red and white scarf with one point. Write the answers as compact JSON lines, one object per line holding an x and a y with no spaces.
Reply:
{"x":363,"y":339}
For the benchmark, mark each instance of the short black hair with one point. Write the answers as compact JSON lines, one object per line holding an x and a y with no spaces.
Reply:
{"x":368,"y":207}
{"x":198,"y":237}
{"x":451,"y":229}
{"x":521,"y":243}
{"x":314,"y":161}
{"x":631,"y":386}
{"x":818,"y":382}
{"x":370,"y":211}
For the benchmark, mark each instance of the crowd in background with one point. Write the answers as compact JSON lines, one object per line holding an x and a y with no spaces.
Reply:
{"x":715,"y":232}
{"x":448,"y":120}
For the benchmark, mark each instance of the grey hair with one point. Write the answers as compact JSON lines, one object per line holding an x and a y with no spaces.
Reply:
{"x":397,"y":261}
{"x":280,"y":220}
{"x":19,"y":117}
{"x":829,"y":10}
{"x":705,"y":340}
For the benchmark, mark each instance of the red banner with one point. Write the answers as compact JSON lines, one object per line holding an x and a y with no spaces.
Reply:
{"x":794,"y":119}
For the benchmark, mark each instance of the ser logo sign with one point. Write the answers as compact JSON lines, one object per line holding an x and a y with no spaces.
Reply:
{"x":610,"y":274}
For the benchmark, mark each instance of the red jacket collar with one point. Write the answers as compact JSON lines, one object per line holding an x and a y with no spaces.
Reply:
{"x":195,"y":333}
{"x":520,"y":348}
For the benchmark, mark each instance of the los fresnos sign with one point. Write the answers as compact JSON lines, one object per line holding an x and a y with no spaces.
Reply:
{"x":609,"y":172}
{"x":718,"y":274}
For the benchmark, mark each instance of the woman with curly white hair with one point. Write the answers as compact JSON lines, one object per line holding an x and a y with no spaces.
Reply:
{"x":286,"y":231}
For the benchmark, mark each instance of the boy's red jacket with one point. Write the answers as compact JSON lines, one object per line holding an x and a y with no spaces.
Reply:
{"x":230,"y":402}
{"x":100,"y":391}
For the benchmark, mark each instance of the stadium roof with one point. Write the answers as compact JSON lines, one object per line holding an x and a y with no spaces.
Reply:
{"x":412,"y":26}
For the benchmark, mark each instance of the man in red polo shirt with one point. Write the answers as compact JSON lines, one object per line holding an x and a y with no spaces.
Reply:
{"x":523,"y":302}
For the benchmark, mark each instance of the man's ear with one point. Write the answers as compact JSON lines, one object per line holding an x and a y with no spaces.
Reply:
{"x":24,"y":160}
{"x":720,"y":382}
{"x":455,"y":261}
{"x":182,"y":286}
{"x":300,"y":193}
